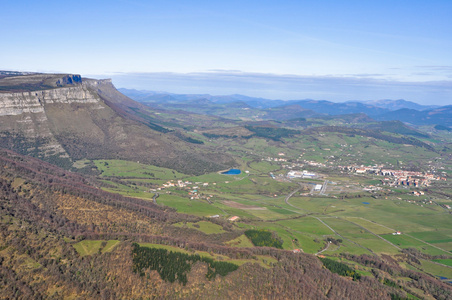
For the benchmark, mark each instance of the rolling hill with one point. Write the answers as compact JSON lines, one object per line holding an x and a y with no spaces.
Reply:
{"x":381,"y":110}
{"x":441,"y":116}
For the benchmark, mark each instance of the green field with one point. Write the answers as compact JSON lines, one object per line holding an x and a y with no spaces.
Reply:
{"x":447,"y":262}
{"x":241,"y":241}
{"x":405,"y":241}
{"x":360,"y":218}
{"x":185,"y":205}
{"x":442,"y":235}
{"x":307,"y":225}
{"x":435,"y":269}
{"x":357,"y":224}
{"x":369,"y":225}
{"x":90,"y":247}
{"x":204,"y":226}
{"x":122,"y":168}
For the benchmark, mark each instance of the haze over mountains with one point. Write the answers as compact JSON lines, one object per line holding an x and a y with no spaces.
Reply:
{"x":381,"y":110}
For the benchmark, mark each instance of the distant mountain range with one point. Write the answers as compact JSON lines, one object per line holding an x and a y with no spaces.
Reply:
{"x":380,"y":110}
{"x":398,"y":104}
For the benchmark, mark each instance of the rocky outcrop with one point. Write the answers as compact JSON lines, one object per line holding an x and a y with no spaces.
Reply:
{"x":24,"y":121}
{"x":35,"y":101}
{"x":89,"y":119}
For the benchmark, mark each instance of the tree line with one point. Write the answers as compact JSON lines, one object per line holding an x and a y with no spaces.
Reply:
{"x":340,"y":268}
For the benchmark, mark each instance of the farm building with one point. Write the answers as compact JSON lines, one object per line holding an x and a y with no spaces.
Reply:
{"x":301,"y":174}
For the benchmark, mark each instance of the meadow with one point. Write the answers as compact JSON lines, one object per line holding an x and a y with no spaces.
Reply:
{"x":263,"y":204}
{"x":203,"y":226}
{"x":358,"y":221}
{"x":90,"y":247}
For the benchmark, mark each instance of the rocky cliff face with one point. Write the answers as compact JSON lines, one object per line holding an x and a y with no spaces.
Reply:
{"x":64,"y":118}
{"x":34,"y":102}
{"x":25,"y":125}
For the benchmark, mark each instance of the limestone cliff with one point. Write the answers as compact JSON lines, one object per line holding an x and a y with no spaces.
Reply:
{"x":63,"y":118}
{"x":34,"y":102}
{"x":25,"y":125}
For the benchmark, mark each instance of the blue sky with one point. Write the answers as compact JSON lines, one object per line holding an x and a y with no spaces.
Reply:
{"x":335,"y":50}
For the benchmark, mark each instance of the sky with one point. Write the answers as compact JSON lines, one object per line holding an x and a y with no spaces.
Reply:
{"x":324,"y":49}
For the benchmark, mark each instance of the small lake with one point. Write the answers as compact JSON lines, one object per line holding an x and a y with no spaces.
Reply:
{"x":232,"y":172}
{"x":366,"y":203}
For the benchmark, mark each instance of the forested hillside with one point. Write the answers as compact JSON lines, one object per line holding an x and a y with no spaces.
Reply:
{"x":47,"y":213}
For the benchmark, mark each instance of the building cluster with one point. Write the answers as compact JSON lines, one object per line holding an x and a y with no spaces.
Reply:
{"x":396,"y":177}
{"x":275,"y":159}
{"x":314,"y":163}
{"x":293,"y":165}
{"x":418,"y":193}
{"x":192,"y":188}
{"x":372,"y":188}
{"x":301,"y":174}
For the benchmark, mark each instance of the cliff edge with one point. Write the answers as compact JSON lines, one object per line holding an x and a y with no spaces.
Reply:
{"x":63,"y":118}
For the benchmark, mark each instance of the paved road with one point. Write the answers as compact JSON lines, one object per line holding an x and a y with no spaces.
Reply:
{"x":343,"y":237}
{"x":326,"y":248}
{"x":156,"y":195}
{"x":323,"y":190}
{"x":372,"y":233}
{"x":290,"y":195}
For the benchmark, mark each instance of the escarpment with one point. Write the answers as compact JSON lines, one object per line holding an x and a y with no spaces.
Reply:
{"x":25,"y":125}
{"x":65,"y":118}
{"x":33,"y":102}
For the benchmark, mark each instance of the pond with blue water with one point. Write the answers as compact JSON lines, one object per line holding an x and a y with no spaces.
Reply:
{"x":232,"y":172}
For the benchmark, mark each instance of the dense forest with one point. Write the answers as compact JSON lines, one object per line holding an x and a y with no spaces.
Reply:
{"x":174,"y":266}
{"x":340,"y":268}
{"x":263,"y":238}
